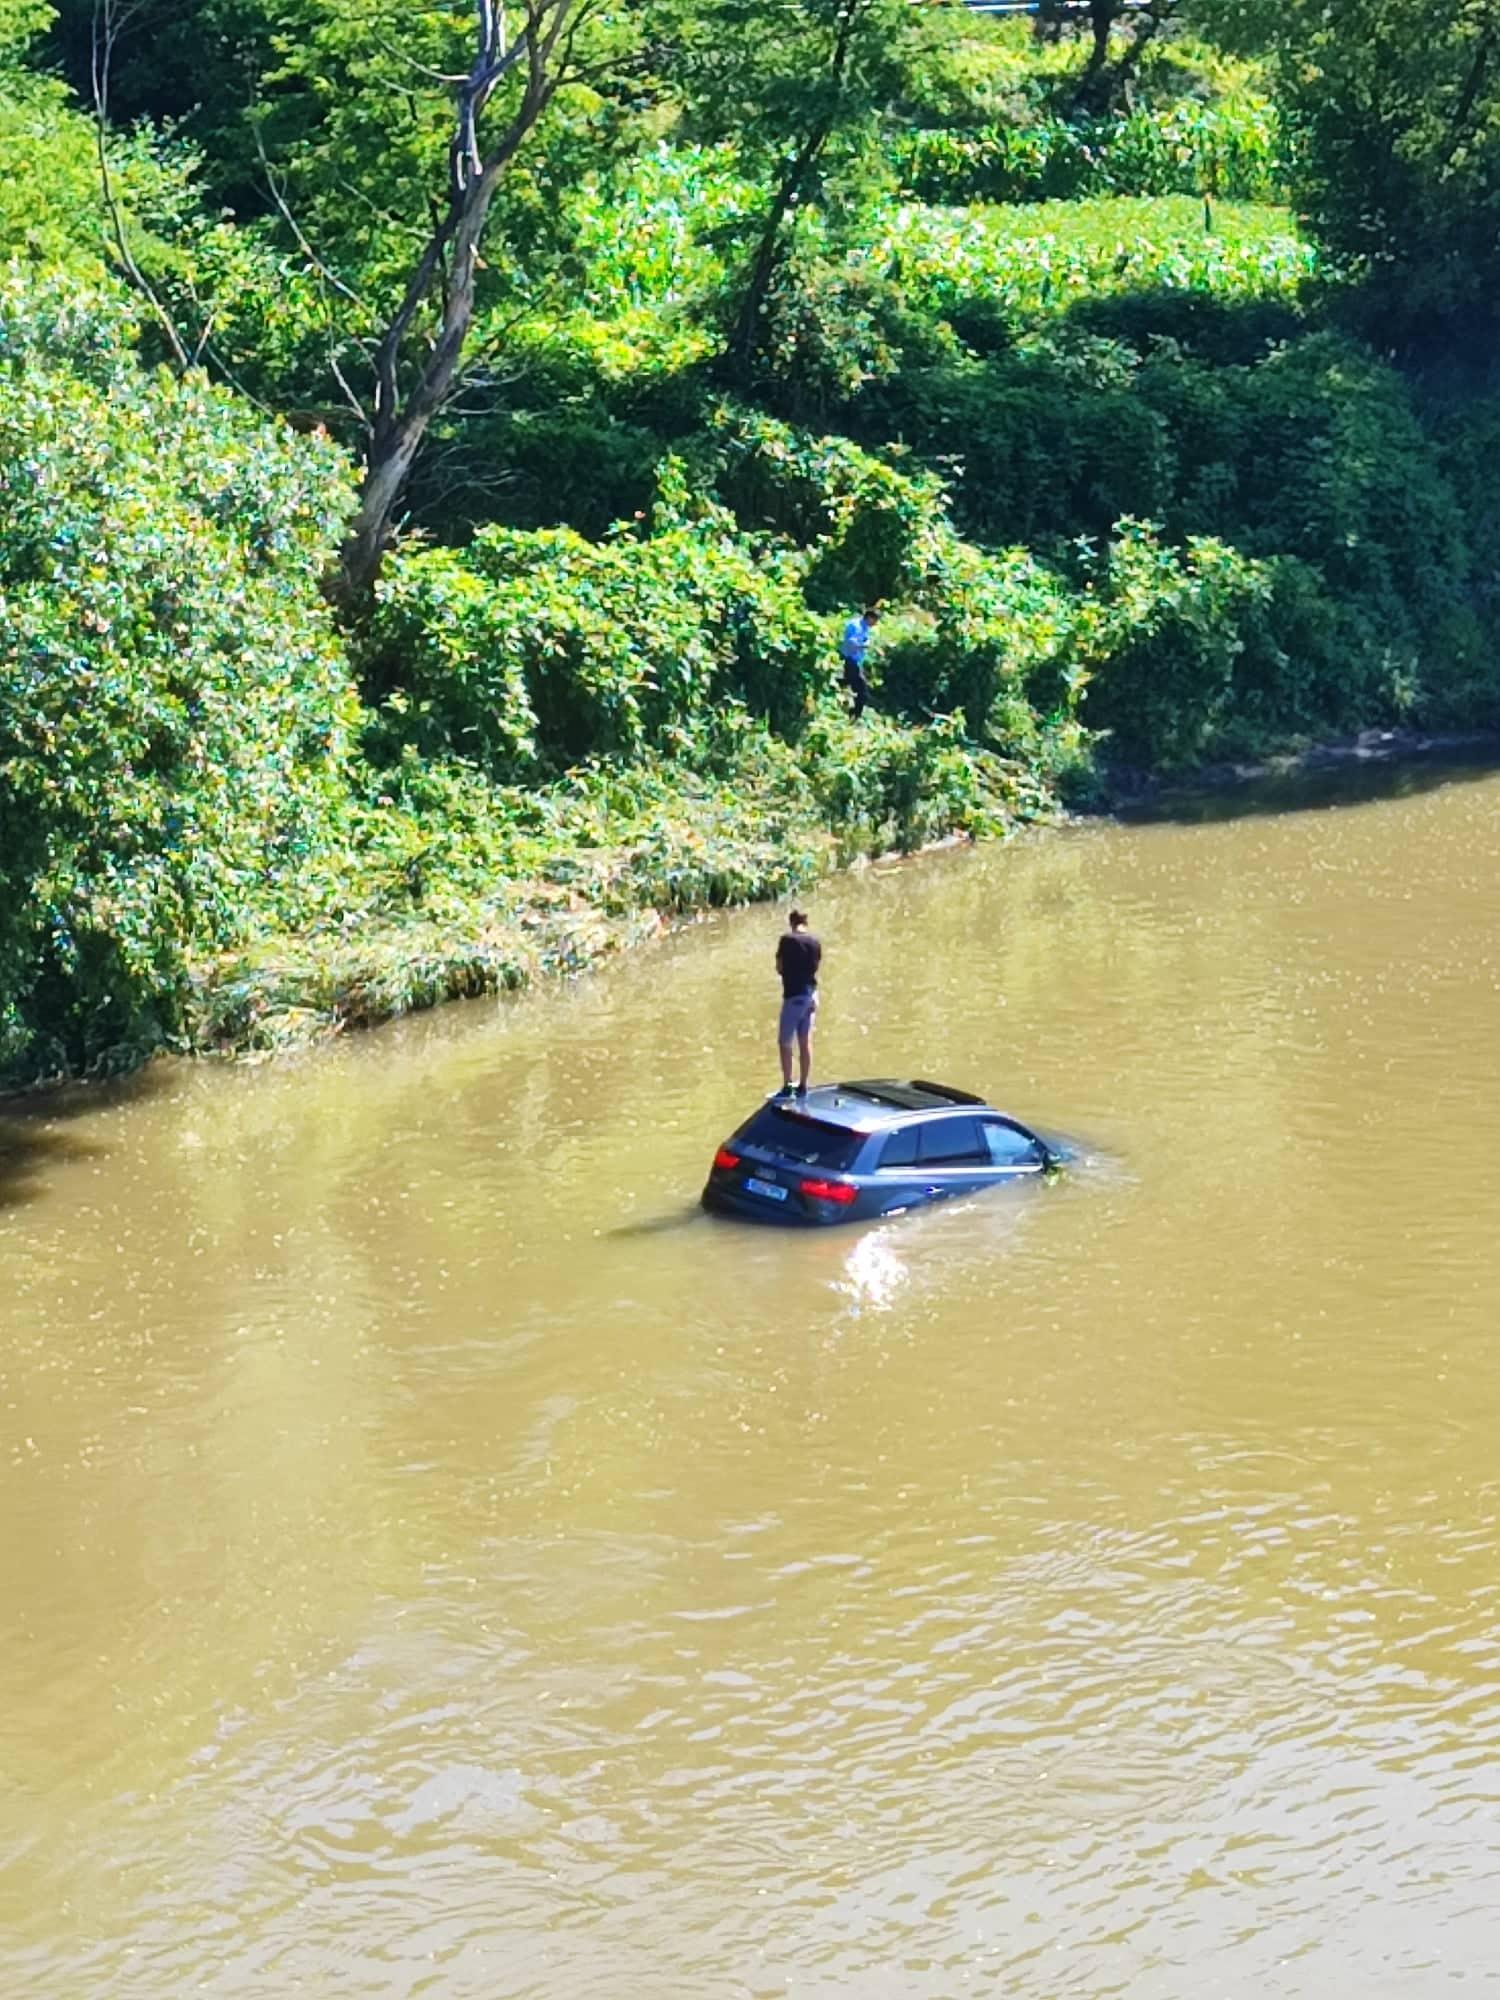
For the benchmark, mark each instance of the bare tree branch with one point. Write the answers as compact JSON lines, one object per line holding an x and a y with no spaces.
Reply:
{"x":329,"y":277}
{"x":325,"y":272}
{"x":204,"y":347}
{"x":110,"y":17}
{"x":422,"y":69}
{"x":200,"y":345}
{"x":356,"y":408}
{"x":409,"y":394}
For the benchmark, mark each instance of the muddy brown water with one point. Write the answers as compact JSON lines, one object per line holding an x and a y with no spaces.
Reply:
{"x":439,"y":1561}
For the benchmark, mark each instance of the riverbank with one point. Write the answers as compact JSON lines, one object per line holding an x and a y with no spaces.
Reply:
{"x":1122,"y":477}
{"x":234,"y":825}
{"x":596,"y":897}
{"x":292,"y":992}
{"x":615,"y":880}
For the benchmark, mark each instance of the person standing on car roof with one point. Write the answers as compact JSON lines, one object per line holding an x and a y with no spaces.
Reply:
{"x":798,"y":956}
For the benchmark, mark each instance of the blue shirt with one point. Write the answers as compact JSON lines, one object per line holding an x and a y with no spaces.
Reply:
{"x":856,"y":641}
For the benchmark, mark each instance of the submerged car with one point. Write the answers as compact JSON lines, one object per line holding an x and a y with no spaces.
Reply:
{"x":847,"y":1152}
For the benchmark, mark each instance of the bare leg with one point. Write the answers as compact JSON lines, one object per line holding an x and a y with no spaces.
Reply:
{"x":804,"y":1056}
{"x":786,"y":1065}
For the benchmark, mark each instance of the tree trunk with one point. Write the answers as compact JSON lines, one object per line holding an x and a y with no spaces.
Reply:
{"x":401,"y":423}
{"x":740,"y":347}
{"x":1101,"y":21}
{"x":1092,"y":92}
{"x":792,"y":185}
{"x":1102,"y":85}
{"x":402,"y":414}
{"x":364,"y":547}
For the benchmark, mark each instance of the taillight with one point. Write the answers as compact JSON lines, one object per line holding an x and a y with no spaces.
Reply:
{"x":839,"y":1191}
{"x":726,"y":1161}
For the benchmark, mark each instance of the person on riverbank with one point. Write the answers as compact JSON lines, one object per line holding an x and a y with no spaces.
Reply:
{"x":798,"y":956}
{"x":853,"y":647}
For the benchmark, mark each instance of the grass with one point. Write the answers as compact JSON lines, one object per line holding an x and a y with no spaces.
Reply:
{"x":1038,"y":258}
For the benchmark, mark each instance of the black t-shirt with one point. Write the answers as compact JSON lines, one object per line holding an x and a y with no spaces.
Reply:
{"x":798,"y":957}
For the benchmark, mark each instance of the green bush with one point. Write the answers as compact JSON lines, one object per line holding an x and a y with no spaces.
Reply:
{"x":995,"y":647}
{"x":1163,"y":637}
{"x":572,"y":464}
{"x":440,"y":653}
{"x":1317,"y":452}
{"x":835,"y":329}
{"x":175,"y":716}
{"x":532,"y":652}
{"x":1226,"y":331}
{"x":882,"y":787}
{"x":1046,"y":440}
{"x":1202,"y":650}
{"x":870,"y":519}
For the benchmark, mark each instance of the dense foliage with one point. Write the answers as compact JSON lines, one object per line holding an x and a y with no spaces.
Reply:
{"x":905,"y":307}
{"x":1229,"y":150}
{"x":175,"y":713}
{"x":1392,"y":109}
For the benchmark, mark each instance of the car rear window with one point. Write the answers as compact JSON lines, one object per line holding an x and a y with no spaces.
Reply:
{"x":802,"y":1139}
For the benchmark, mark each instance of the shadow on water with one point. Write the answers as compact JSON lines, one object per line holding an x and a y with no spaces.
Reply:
{"x":34,"y":1134}
{"x":28,"y":1149}
{"x":1355,"y":780}
{"x":658,"y":1225}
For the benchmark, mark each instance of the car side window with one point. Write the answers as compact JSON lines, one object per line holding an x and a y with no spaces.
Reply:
{"x":900,"y":1150}
{"x":952,"y":1142}
{"x":1009,"y":1146}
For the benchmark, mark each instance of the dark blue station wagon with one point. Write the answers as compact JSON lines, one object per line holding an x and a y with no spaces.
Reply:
{"x":850,"y":1151}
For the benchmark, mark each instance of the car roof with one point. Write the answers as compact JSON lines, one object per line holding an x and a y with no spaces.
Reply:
{"x":870,"y":1104}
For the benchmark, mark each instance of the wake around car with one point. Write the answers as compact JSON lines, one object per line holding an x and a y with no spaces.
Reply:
{"x":847,"y":1152}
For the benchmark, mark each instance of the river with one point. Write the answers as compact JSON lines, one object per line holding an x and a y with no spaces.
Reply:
{"x":440,"y":1561}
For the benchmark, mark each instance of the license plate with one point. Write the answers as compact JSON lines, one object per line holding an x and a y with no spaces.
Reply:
{"x":768,"y":1188}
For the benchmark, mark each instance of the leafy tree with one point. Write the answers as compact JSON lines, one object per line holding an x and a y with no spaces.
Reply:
{"x":375,"y":139}
{"x":513,"y":77}
{"x":799,"y":89}
{"x":1106,"y":77}
{"x":1393,"y":108}
{"x":48,"y":173}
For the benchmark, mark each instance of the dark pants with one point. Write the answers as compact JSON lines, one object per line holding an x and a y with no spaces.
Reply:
{"x":858,"y":686}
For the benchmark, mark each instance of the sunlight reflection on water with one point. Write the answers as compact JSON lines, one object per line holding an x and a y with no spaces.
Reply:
{"x":874,"y":1272}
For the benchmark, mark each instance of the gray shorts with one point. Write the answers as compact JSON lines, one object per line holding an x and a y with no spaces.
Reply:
{"x":797,"y":1016}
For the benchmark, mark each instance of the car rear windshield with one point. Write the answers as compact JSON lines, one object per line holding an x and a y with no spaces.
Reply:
{"x":801,"y":1139}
